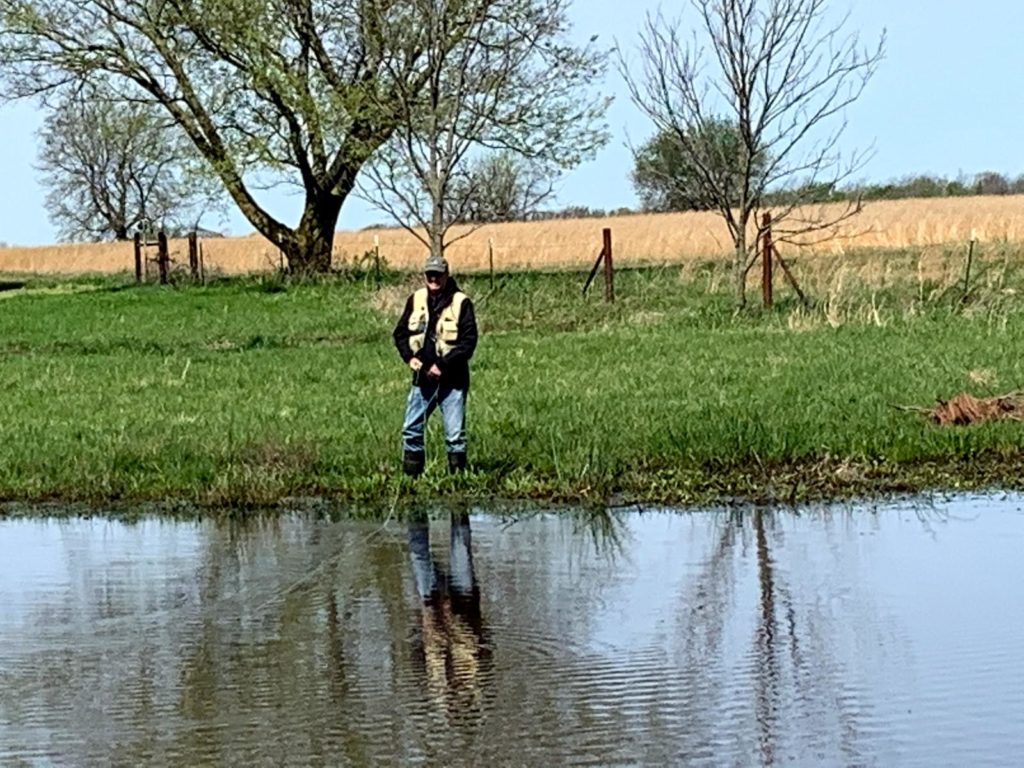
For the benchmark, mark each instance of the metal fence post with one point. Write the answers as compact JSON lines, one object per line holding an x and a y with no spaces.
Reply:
{"x":609,"y":269}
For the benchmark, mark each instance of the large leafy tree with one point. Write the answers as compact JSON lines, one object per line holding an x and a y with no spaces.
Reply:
{"x":269,"y":91}
{"x":782,"y":72}
{"x":111,"y":167}
{"x":669,"y":175}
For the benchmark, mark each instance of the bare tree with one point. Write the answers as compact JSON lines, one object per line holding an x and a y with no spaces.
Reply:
{"x":512,"y":83}
{"x":991,"y":183}
{"x":783,"y":71}
{"x":298,"y":92}
{"x":111,"y":167}
{"x":502,"y":187}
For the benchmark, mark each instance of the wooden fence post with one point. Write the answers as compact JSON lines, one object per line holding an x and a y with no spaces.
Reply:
{"x":609,"y":269}
{"x":766,"y":261}
{"x":138,"y":257}
{"x":163,"y":257}
{"x":193,"y":254}
{"x":376,"y":260}
{"x":490,"y":258}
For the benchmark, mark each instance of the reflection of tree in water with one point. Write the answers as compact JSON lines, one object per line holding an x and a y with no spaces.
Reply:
{"x":794,"y":666}
{"x":452,"y":647}
{"x":768,"y":678}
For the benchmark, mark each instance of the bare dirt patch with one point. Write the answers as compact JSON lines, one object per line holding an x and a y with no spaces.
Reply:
{"x":965,"y":409}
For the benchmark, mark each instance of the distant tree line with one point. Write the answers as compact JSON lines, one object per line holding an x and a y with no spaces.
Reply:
{"x":917,"y":186}
{"x":984,"y":183}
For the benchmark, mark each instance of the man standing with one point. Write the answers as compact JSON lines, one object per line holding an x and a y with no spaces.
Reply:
{"x":436,"y":337}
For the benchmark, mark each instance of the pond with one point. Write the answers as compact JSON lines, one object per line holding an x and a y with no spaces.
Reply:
{"x":839,"y":635}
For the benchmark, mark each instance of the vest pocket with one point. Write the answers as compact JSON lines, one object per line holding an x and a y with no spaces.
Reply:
{"x":448,"y":329}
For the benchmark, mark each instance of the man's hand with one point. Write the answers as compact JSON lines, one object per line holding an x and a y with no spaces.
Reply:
{"x":434,"y":372}
{"x":415,"y":363}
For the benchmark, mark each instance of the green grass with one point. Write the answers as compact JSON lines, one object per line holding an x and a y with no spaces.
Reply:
{"x":250,"y":392}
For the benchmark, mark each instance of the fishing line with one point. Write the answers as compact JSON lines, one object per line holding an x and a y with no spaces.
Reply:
{"x":323,"y":564}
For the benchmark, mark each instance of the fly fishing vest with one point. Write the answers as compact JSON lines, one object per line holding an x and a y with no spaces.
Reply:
{"x":446,"y":331}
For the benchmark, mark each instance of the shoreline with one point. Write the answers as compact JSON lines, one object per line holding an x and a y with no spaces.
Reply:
{"x":795,"y":485}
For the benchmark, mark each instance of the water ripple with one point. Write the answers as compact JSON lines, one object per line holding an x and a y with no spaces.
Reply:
{"x":839,"y":638}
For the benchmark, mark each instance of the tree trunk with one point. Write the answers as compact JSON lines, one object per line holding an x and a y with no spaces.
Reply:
{"x":739,"y":266}
{"x":437,"y":230}
{"x":309,"y":247}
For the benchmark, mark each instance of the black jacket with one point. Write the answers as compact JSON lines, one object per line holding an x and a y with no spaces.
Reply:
{"x":455,"y":365}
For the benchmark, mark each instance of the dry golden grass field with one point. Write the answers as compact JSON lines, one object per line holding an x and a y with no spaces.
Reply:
{"x":641,"y":239}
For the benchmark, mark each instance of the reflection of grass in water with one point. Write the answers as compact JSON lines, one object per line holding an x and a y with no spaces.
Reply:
{"x":603,"y":529}
{"x":233,"y":393}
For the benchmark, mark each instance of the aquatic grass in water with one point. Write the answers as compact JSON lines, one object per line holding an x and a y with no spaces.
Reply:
{"x":233,"y":394}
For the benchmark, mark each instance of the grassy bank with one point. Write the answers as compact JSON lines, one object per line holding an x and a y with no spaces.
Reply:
{"x":251,"y":391}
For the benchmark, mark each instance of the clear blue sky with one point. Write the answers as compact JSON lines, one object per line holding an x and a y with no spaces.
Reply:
{"x":947,"y":99}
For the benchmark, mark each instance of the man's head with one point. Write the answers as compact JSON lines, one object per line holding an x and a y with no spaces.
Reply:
{"x":435,"y":272}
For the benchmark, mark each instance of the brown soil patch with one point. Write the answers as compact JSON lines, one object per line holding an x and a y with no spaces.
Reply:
{"x":967,"y":409}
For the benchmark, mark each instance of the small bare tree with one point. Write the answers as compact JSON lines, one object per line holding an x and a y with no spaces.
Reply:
{"x":501,"y":186}
{"x":110,"y":166}
{"x":782,"y":71}
{"x":512,"y":83}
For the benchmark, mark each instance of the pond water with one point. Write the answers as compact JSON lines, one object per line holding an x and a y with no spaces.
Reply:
{"x":888,"y":635}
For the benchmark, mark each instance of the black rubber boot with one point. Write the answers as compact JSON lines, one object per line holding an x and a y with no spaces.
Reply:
{"x":456,"y":462}
{"x":412,"y":463}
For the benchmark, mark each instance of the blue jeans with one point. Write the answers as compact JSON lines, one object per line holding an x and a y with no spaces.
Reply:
{"x":421,"y":403}
{"x":431,"y":581}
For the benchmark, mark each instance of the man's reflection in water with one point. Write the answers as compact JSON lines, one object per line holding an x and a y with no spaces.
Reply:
{"x":453,"y":645}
